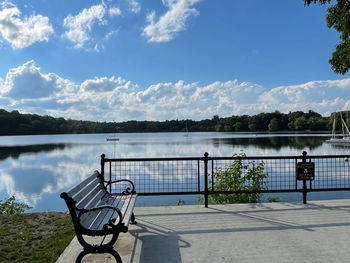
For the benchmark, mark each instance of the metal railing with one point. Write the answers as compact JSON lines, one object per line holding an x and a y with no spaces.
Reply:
{"x":197,"y":175}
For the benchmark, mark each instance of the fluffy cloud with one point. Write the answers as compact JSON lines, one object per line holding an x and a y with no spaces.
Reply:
{"x":322,"y":96}
{"x":21,"y":33}
{"x":79,"y":26}
{"x":27,"y":82}
{"x":27,"y":89}
{"x":101,"y":84}
{"x":134,"y":6}
{"x":173,"y":21}
{"x":115,"y":11}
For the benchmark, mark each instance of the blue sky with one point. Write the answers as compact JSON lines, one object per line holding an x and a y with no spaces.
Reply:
{"x":166,"y":59}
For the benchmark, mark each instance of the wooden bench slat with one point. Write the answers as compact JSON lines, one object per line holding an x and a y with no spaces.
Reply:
{"x":92,"y":216}
{"x":82,"y":185}
{"x":120,"y":200}
{"x":81,"y":194}
{"x":107,"y":214}
{"x":83,"y":203}
{"x":127,"y":214}
{"x":97,"y":200}
{"x":94,"y":203}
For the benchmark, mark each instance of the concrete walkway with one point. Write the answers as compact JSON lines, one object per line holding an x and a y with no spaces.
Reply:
{"x":268,"y":232}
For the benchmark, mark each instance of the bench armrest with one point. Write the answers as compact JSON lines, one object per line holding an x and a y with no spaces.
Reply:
{"x":111,"y":222}
{"x":127,"y":191}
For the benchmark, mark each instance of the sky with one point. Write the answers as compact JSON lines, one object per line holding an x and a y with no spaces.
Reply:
{"x":119,"y":60}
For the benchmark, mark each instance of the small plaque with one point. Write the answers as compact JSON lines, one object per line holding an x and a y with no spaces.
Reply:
{"x":306,"y":171}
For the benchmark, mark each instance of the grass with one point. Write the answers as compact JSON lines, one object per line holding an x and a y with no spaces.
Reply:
{"x":34,"y":237}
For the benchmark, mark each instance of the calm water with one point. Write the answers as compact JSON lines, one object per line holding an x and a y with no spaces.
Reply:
{"x":38,"y":168}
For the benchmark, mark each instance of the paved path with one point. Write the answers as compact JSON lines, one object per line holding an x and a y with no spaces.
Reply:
{"x":268,"y":232}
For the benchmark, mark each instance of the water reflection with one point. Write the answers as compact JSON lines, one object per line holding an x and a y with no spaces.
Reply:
{"x":276,"y":143}
{"x":15,"y":151}
{"x":38,"y":171}
{"x":29,"y":172}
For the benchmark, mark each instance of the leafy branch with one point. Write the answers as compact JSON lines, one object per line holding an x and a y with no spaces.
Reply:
{"x":241,"y":175}
{"x":10,"y":206}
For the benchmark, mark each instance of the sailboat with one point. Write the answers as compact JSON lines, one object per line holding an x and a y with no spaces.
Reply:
{"x":114,"y":138}
{"x":186,"y":135}
{"x":345,"y":140}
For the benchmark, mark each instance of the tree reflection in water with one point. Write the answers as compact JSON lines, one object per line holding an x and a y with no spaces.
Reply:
{"x":37,"y":173}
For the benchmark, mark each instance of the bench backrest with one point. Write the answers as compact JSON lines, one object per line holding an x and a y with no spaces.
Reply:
{"x":85,"y":195}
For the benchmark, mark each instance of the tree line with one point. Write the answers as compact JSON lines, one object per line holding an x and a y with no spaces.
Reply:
{"x":15,"y":123}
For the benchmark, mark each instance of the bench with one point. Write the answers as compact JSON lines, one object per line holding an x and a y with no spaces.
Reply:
{"x":96,"y":212}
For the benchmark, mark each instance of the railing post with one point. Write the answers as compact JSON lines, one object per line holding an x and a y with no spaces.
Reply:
{"x":103,"y":164}
{"x":206,"y":179}
{"x":304,"y":181}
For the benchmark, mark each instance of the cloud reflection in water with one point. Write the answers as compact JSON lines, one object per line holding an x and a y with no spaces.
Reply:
{"x":32,"y":171}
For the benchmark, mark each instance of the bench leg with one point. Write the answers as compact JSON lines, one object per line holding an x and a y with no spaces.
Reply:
{"x":110,"y":251}
{"x":81,"y":255}
{"x":133,"y":221}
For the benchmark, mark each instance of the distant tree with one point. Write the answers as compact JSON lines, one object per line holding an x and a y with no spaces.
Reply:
{"x":219,"y":127}
{"x":237,"y":126}
{"x":252,"y":127}
{"x":15,"y":123}
{"x":338,"y":17}
{"x":300,"y":123}
{"x":227,"y":128}
{"x":317,"y":124}
{"x":273,"y":126}
{"x":216,"y":118}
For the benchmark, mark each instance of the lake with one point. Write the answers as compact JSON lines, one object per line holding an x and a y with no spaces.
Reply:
{"x":38,"y":168}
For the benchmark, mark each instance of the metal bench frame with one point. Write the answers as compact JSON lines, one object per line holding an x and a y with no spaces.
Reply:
{"x":115,"y":220}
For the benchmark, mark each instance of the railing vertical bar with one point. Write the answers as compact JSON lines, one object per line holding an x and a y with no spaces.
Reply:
{"x":110,"y":177}
{"x":304,"y":181}
{"x":103,"y":164}
{"x":296,"y":172}
{"x":206,"y":179}
{"x":199,"y":176}
{"x":212,"y":175}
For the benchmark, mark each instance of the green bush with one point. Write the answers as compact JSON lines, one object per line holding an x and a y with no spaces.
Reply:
{"x":180,"y":202}
{"x":10,"y":206}
{"x":241,"y":175}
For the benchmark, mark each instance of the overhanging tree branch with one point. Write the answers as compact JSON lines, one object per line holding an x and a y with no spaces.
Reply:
{"x":338,"y":17}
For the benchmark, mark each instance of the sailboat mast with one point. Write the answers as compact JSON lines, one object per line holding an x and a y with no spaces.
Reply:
{"x":345,"y":126}
{"x":342,"y":124}
{"x":333,"y":129}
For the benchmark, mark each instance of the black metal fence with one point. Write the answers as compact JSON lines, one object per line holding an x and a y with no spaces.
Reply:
{"x":196,"y":175}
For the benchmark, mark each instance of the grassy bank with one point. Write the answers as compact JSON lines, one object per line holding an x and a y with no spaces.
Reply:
{"x":34,"y":237}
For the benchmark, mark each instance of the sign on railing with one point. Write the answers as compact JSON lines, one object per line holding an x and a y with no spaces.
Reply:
{"x":306,"y":171}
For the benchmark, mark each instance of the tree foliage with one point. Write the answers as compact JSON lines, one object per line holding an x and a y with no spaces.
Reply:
{"x":15,"y":123}
{"x":273,"y":126}
{"x":338,"y":17}
{"x":242,"y":175}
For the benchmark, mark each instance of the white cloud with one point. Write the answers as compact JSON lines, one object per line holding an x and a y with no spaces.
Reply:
{"x":27,"y":89}
{"x":115,"y":11}
{"x":21,"y":33}
{"x":112,"y":34}
{"x":80,"y":25}
{"x":101,"y":84}
{"x":27,"y":82}
{"x":172,"y":22}
{"x":322,"y":96}
{"x":134,"y":6}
